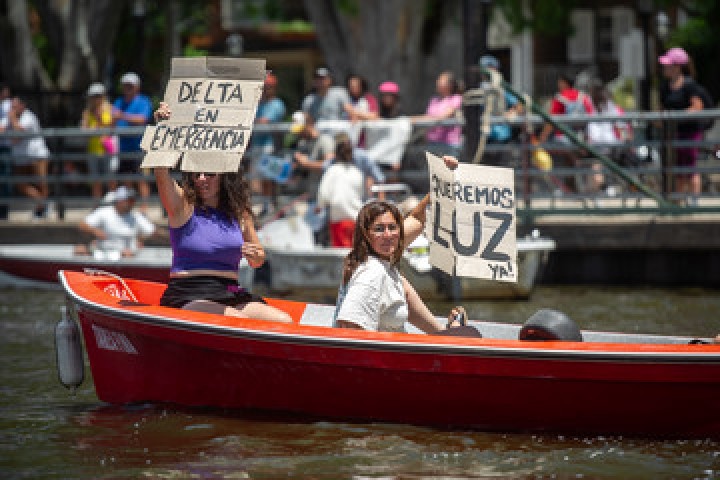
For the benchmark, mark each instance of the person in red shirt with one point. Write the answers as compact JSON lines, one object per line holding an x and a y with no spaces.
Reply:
{"x":568,"y":101}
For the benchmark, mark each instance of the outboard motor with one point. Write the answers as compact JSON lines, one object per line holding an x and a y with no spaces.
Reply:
{"x":546,"y":324}
{"x":68,"y":349}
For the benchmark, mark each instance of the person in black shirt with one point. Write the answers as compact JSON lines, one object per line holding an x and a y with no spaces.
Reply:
{"x":681,"y":92}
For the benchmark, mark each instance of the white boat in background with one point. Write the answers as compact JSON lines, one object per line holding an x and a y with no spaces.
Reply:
{"x":299,"y":267}
{"x":434,"y":284}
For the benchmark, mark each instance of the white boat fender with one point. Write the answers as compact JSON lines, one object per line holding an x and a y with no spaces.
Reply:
{"x":546,"y":324}
{"x":69,"y":354}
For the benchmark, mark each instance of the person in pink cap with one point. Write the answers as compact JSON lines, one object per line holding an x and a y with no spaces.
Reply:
{"x":389,"y":100}
{"x":681,"y":92}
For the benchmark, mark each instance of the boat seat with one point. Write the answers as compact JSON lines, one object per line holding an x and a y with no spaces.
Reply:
{"x":318,"y":315}
{"x":322,"y":315}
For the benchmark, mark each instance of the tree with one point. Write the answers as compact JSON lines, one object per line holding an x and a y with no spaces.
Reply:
{"x":52,"y":50}
{"x":78,"y":35}
{"x":700,"y":37}
{"x":406,"y":41}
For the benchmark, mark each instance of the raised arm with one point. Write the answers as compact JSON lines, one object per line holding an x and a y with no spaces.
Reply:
{"x":171,"y":195}
{"x":415,"y":221}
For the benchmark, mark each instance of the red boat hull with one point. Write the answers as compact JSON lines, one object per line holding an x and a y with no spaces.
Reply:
{"x":496,"y":385}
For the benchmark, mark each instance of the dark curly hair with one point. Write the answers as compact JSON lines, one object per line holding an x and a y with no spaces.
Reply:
{"x":233,"y":195}
{"x":361,"y":240}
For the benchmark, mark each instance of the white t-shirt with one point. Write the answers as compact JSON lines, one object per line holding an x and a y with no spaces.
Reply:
{"x":27,"y":150}
{"x":122,"y":230}
{"x":374,"y":298}
{"x":342,"y":188}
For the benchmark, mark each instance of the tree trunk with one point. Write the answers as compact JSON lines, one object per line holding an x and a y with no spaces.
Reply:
{"x":20,"y":59}
{"x":81,"y":33}
{"x":383,"y":40}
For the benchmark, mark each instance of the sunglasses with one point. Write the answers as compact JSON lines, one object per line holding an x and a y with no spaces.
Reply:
{"x":196,"y":175}
{"x":380,"y":228}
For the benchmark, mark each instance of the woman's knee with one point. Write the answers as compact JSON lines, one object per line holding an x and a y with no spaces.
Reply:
{"x":262,"y":311}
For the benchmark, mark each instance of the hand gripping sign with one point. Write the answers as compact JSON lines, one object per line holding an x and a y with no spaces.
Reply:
{"x":471,"y":220}
{"x":213,"y":102}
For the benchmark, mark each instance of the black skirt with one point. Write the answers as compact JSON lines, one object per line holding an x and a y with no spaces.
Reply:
{"x":183,"y":290}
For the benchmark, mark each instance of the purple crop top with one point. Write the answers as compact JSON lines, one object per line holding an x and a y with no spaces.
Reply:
{"x":209,"y":240}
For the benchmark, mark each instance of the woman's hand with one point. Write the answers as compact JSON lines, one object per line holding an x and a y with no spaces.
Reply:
{"x":457,"y":317}
{"x":163,"y":112}
{"x":451,"y":162}
{"x":254,"y":253}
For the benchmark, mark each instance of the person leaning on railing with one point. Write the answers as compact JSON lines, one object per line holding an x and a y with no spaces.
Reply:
{"x":681,"y":92}
{"x":103,"y":149}
{"x":29,"y":154}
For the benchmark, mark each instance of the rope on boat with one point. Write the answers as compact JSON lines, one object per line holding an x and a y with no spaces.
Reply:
{"x":98,"y":272}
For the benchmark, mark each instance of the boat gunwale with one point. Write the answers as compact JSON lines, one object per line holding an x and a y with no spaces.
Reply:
{"x":373,"y":340}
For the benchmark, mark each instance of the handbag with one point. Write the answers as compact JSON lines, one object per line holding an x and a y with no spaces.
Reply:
{"x":110,"y":144}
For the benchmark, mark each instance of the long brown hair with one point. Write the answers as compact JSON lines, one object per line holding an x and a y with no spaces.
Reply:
{"x":361,"y":238}
{"x":233,"y":194}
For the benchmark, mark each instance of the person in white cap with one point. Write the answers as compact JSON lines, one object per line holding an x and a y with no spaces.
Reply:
{"x":117,"y":229}
{"x":102,"y":149}
{"x":326,"y":102}
{"x":132,"y":109}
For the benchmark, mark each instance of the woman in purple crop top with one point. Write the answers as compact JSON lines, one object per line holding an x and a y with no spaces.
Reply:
{"x":211,"y":229}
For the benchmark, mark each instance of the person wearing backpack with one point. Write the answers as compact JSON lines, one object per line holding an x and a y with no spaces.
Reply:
{"x":567,"y":101}
{"x":682,"y":93}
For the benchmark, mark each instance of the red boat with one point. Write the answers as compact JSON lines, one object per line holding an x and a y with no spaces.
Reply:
{"x":41,"y":262}
{"x":609,"y":383}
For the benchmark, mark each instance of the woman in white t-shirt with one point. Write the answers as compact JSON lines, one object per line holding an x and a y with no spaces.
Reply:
{"x":374,"y":295}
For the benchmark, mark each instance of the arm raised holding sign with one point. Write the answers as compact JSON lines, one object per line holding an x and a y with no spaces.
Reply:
{"x":374,"y":295}
{"x":211,"y":229}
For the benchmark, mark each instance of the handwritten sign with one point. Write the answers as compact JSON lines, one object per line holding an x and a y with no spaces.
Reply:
{"x":213,"y":102}
{"x":471,"y":222}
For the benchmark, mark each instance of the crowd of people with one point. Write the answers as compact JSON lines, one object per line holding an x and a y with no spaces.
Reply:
{"x":313,"y":149}
{"x":211,"y":222}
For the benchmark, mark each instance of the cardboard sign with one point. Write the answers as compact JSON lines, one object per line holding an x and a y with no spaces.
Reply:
{"x":213,"y":103}
{"x":471,"y":222}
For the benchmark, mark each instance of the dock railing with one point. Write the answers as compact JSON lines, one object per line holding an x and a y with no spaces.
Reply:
{"x":641,"y":179}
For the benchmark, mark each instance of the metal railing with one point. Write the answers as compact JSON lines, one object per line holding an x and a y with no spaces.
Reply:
{"x":568,"y":188}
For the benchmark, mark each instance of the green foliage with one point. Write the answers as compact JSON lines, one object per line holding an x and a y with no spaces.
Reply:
{"x":190,"y":51}
{"x":549,"y":17}
{"x":350,"y":8}
{"x":695,"y":33}
{"x":297,"y":26}
{"x":47,"y":55}
{"x":700,"y":36}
